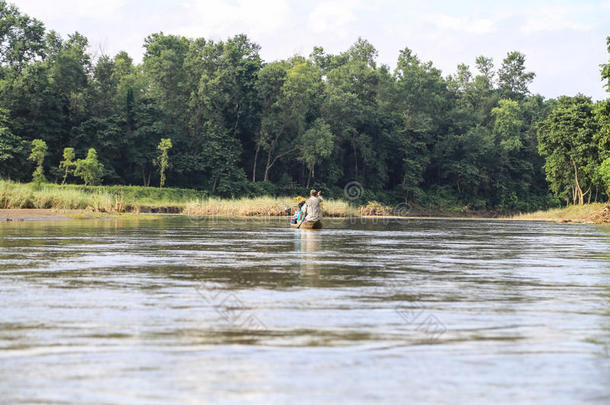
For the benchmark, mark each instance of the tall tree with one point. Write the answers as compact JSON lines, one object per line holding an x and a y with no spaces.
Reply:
{"x":288,"y":116}
{"x":12,"y":149}
{"x":420,"y":114}
{"x":68,"y":163}
{"x":39,"y":151}
{"x":566,"y":139}
{"x":163,"y":159}
{"x":89,"y":169}
{"x":21,"y":39}
{"x":351,"y":109}
{"x":316,"y":145}
{"x":513,"y":78}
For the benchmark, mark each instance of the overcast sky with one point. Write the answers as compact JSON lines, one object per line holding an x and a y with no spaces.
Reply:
{"x":564,"y":41}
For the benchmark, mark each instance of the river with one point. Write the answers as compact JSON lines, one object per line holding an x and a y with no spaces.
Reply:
{"x":249,"y":311}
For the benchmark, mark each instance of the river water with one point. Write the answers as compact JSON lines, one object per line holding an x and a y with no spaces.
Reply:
{"x":249,"y":311}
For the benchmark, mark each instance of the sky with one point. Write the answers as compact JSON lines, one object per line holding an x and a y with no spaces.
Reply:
{"x":564,"y":41}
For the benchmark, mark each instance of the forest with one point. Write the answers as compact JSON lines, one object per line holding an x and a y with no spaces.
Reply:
{"x":213,"y":116}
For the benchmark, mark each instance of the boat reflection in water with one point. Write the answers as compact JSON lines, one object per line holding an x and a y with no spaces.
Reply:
{"x":308,"y":245}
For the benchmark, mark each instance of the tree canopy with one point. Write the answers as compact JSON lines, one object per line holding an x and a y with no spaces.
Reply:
{"x":242,"y":126}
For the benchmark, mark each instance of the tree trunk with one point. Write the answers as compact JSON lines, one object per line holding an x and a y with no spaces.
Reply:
{"x":145,"y":178}
{"x":268,"y":165}
{"x":275,"y":159}
{"x":355,"y":157}
{"x":308,"y":179}
{"x":272,"y":147}
{"x":577,"y":190}
{"x":258,"y":148}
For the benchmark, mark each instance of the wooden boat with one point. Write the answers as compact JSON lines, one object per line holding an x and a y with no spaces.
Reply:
{"x":308,"y":225}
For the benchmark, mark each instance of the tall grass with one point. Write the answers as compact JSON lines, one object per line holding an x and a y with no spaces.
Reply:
{"x":17,"y":195}
{"x":593,"y":212}
{"x":262,"y":206}
{"x":146,"y":199}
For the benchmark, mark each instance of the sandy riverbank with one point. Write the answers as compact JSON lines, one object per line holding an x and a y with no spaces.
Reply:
{"x":7,"y":215}
{"x":591,"y":213}
{"x":595,"y":213}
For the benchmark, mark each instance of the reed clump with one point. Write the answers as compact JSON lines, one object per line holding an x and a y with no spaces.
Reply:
{"x":594,"y":212}
{"x":262,"y":206}
{"x":137,"y":199}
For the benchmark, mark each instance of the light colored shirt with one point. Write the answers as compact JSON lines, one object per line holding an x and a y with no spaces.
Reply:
{"x":312,"y":209}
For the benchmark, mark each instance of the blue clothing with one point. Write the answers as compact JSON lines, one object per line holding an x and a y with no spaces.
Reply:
{"x":298,"y":216}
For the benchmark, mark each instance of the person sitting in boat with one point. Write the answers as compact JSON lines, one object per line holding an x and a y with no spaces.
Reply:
{"x":298,"y":216}
{"x":312,"y":208}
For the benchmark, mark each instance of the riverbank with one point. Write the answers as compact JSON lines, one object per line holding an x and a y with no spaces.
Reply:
{"x":7,"y":215}
{"x":20,"y":201}
{"x":595,"y":213}
{"x":80,"y":201}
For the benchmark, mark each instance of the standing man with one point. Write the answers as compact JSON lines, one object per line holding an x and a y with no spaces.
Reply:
{"x":312,"y":208}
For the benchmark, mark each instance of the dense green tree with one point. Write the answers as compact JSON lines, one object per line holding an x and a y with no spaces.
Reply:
{"x":604,"y":172}
{"x":163,"y":158}
{"x":420,"y":112}
{"x":352,"y":111}
{"x":226,"y":104}
{"x":316,"y":145}
{"x":89,"y":169}
{"x":606,"y":68}
{"x":68,"y":163}
{"x":39,"y":151}
{"x":513,"y":78}
{"x":273,"y":119}
{"x":12,"y":148}
{"x":289,"y":108}
{"x":21,"y":39}
{"x":567,"y":140}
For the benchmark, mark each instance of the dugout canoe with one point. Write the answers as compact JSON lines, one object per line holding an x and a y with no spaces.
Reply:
{"x":308,"y":225}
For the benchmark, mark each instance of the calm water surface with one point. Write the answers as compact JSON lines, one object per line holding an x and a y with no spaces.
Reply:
{"x":180,"y":310}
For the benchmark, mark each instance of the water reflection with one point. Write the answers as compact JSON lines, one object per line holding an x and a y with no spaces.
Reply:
{"x":308,"y":245}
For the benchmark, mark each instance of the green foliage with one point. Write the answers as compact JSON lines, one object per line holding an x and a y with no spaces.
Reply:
{"x":22,"y":37}
{"x":606,"y":68}
{"x":39,"y":150}
{"x":67,"y":163}
{"x":567,"y":140}
{"x":513,"y":78}
{"x":507,"y":125}
{"x":162,"y":160}
{"x":12,"y":148}
{"x":89,"y":169}
{"x":604,"y":172}
{"x":316,"y":144}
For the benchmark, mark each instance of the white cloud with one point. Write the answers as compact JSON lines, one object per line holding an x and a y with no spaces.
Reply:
{"x":226,"y":18}
{"x":46,"y":10}
{"x":463,"y":24}
{"x":555,"y":18}
{"x":332,"y":18}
